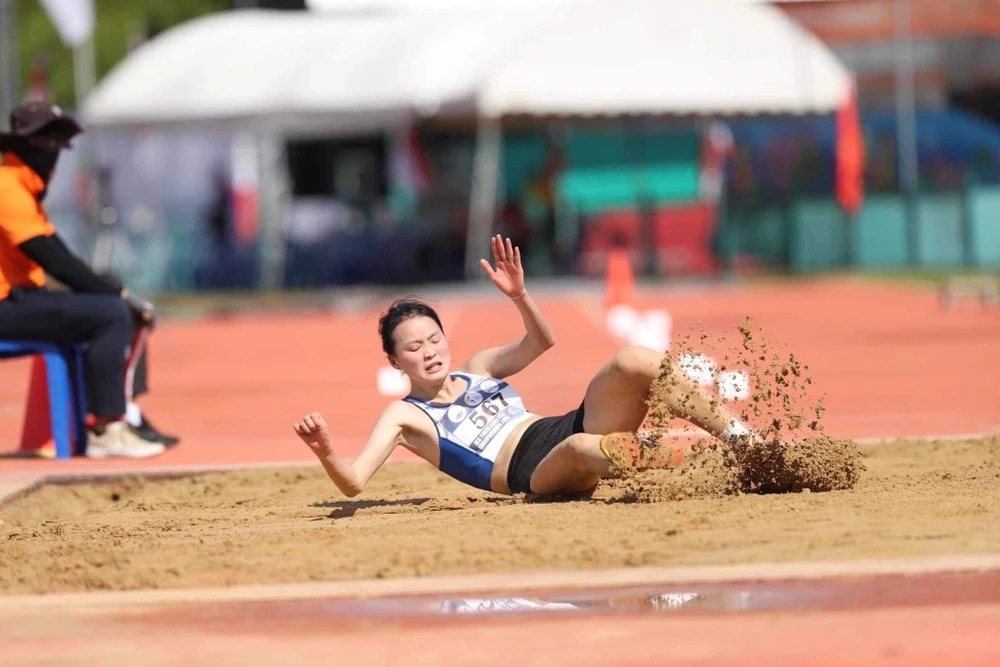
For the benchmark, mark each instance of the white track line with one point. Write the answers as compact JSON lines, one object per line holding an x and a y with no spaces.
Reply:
{"x":928,"y":438}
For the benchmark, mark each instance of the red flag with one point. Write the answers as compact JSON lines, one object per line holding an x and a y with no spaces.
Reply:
{"x":245,"y":189}
{"x":850,"y":157}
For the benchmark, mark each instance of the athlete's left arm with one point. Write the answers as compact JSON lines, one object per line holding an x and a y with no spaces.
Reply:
{"x":504,"y":361}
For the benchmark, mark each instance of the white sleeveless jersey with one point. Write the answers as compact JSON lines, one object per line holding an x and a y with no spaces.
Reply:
{"x":472,"y":430}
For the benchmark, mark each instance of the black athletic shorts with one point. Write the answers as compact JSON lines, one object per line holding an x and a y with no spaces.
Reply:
{"x":537,"y":441}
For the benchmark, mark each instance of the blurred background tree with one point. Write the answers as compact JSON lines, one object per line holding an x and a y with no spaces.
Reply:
{"x":120,"y":26}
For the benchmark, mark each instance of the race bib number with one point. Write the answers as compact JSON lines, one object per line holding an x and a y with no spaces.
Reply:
{"x":475,"y":421}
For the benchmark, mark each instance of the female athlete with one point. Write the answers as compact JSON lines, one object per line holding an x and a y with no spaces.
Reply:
{"x":473,"y":425}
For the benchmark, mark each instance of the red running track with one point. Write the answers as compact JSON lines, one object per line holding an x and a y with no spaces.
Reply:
{"x":889,"y":360}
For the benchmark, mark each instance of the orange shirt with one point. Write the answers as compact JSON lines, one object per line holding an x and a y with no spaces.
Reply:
{"x":21,"y":218}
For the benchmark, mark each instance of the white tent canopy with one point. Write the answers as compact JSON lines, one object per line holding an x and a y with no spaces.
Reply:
{"x":397,"y":6}
{"x":424,"y":5}
{"x":303,"y":71}
{"x":641,"y":57}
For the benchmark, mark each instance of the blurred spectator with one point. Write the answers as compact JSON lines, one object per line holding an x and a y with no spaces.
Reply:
{"x":97,"y":311}
{"x":221,"y":210}
{"x":513,"y":224}
{"x":542,"y":193}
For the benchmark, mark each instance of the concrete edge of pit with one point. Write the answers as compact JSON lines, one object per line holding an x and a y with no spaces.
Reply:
{"x":18,"y":487}
{"x":12,"y":489}
{"x":502,"y":583}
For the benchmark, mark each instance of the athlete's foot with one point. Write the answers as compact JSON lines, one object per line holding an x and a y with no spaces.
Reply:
{"x":739,"y":437}
{"x":622,"y":449}
{"x":630,"y":450}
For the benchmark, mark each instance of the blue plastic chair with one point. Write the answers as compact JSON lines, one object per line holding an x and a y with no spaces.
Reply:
{"x":67,"y":392}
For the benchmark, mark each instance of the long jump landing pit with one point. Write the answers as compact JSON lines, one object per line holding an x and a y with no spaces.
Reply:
{"x":286,"y":525}
{"x":902,"y":569}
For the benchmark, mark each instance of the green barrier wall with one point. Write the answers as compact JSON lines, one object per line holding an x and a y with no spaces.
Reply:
{"x":592,"y":190}
{"x":609,"y":167}
{"x":819,"y":236}
{"x":939,"y":231}
{"x":984,"y":219}
{"x":949,"y":231}
{"x":880,"y":233}
{"x":761,"y":232}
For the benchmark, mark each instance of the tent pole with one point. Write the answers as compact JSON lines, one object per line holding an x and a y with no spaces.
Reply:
{"x":274,"y":188}
{"x":483,"y":198}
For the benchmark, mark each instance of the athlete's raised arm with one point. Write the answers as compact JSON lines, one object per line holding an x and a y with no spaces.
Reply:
{"x":508,"y":276}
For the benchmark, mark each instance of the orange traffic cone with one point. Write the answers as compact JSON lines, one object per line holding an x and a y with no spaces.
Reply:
{"x":619,"y":281}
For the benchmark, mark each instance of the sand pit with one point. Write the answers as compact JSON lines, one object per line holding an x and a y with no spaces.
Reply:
{"x":661,"y":472}
{"x":287,"y":525}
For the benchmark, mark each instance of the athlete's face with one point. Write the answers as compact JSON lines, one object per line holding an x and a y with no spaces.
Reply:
{"x":422,"y":351}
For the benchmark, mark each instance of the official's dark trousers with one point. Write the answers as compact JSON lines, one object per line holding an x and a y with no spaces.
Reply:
{"x":99,"y":320}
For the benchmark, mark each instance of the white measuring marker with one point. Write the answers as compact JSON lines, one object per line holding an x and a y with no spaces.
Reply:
{"x":390,"y":382}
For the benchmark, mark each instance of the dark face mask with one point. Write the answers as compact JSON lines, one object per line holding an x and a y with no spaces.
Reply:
{"x":42,"y":161}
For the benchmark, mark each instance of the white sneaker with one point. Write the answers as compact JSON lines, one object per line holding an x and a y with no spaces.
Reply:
{"x":119,"y":440}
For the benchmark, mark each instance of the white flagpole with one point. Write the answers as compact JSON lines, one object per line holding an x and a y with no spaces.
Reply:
{"x":74,"y":20}
{"x":84,"y":71}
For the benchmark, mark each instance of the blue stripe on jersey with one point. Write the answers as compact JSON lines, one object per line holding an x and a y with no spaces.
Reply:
{"x":457,"y":461}
{"x":465,"y":465}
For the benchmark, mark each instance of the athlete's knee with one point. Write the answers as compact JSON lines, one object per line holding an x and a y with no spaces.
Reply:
{"x":579,"y":450}
{"x":637,"y":362}
{"x":575,"y":445}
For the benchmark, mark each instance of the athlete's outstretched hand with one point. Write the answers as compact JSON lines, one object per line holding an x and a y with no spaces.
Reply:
{"x":313,"y":431}
{"x":508,"y":275}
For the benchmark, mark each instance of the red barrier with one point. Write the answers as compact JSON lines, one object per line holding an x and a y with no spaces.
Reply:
{"x":682,"y":238}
